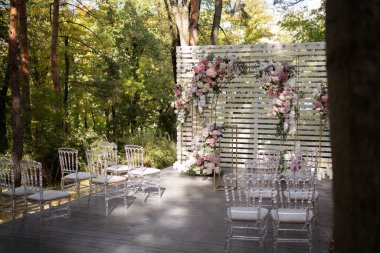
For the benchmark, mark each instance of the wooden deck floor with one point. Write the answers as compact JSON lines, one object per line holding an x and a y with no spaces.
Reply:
{"x":188,"y":218}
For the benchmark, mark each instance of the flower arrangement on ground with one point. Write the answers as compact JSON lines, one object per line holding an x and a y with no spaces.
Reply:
{"x":277,"y":82}
{"x":209,"y":76}
{"x":203,"y":156}
{"x":321,"y":104}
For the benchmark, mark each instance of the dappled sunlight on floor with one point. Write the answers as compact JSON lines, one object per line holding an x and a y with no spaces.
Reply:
{"x":189,"y":217}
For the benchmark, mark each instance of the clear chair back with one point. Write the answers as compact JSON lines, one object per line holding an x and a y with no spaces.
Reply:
{"x":96,"y":162}
{"x":295,"y":193}
{"x":7,"y":178}
{"x":31,"y":173}
{"x":135,"y":156}
{"x":68,"y":160}
{"x":110,"y":150}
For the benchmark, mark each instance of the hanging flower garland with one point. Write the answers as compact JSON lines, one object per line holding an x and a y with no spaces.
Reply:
{"x":209,"y":76}
{"x":278,"y":82}
{"x":202,"y":157}
{"x":321,"y":104}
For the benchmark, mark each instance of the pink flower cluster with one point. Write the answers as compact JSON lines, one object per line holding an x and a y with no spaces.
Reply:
{"x":321,"y":103}
{"x":275,"y":77}
{"x":208,"y":76}
{"x":182,"y":102}
{"x":212,"y":133}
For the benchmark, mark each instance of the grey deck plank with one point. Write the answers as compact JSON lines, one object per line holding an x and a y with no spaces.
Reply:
{"x":188,"y":218}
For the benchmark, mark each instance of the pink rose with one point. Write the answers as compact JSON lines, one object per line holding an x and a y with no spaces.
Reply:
{"x":317,"y":104}
{"x":177,"y":93}
{"x":200,"y":67}
{"x":211,"y":72}
{"x":324,"y":98}
{"x":200,"y":160}
{"x":211,"y":142}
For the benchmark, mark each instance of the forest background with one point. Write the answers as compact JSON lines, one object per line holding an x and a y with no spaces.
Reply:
{"x":74,"y":73}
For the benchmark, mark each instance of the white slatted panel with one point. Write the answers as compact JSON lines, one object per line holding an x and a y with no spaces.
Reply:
{"x":244,"y":104}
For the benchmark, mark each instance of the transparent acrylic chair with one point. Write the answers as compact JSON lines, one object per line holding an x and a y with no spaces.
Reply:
{"x":113,"y":166}
{"x":111,"y":186}
{"x":33,"y":182}
{"x":68,"y":160}
{"x":145,"y":178}
{"x":247,"y":219}
{"x":292,"y":212}
{"x":8,"y":190}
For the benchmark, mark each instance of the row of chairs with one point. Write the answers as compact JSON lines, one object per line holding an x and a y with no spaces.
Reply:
{"x":290,"y":207}
{"x":105,"y":177}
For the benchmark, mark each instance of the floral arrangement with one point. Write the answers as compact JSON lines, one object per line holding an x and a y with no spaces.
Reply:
{"x":277,"y":82}
{"x":201,"y":158}
{"x":209,"y":76}
{"x":321,"y":104}
{"x":182,"y":103}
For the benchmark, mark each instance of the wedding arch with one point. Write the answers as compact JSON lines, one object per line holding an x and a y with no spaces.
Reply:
{"x":243,"y":105}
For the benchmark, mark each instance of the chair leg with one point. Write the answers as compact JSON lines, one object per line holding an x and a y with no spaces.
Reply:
{"x":125,"y":193}
{"x":106,"y":199}
{"x":13,"y":209}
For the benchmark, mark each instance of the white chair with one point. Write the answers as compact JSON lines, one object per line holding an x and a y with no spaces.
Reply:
{"x":113,"y":166}
{"x":112,"y":186}
{"x":247,"y":219}
{"x":32,"y":177}
{"x":68,"y":159}
{"x":292,"y":212}
{"x":145,"y":178}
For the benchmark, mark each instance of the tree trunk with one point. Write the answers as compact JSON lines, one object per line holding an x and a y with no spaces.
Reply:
{"x":216,"y":22}
{"x":54,"y":65}
{"x":174,"y":37}
{"x":353,"y":63}
{"x":182,"y":20}
{"x":194,"y":18}
{"x":16,"y":118}
{"x":3,"y":113}
{"x":66,"y":82}
{"x":25,"y":71}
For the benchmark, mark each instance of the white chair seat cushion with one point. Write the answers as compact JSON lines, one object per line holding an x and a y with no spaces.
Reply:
{"x":19,"y":191}
{"x":48,"y":195}
{"x":144,"y":171}
{"x":244,"y":213}
{"x":118,"y":168}
{"x":291,"y":215}
{"x":266,"y":193}
{"x":299,"y":194}
{"x":109,"y":180}
{"x":81,"y":176}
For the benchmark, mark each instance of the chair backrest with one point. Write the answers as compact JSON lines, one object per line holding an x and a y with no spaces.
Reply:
{"x":31,"y":173}
{"x":96,"y":162}
{"x":268,"y":156}
{"x":135,"y":156}
{"x":294,"y":193}
{"x":68,"y":160}
{"x":244,"y":190}
{"x":259,"y":167}
{"x":7,"y":177}
{"x":110,"y":149}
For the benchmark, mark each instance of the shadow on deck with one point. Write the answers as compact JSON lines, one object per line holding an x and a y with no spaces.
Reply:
{"x":188,"y":218}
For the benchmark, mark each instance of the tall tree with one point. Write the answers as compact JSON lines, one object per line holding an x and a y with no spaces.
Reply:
{"x":54,"y":61}
{"x":216,"y":22}
{"x":17,"y":126}
{"x":174,"y":40}
{"x":194,"y":19}
{"x":24,"y":78}
{"x":3,"y":115}
{"x":353,"y":63}
{"x":181,"y":15}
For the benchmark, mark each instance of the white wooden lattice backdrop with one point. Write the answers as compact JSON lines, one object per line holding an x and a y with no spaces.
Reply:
{"x":243,"y":103}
